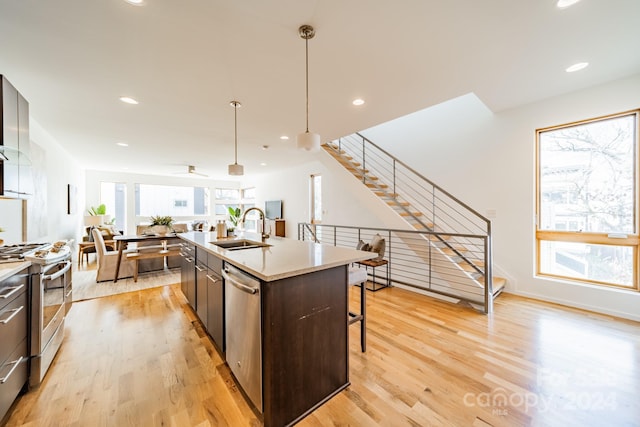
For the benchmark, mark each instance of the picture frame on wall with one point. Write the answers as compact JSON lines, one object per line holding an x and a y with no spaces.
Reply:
{"x":71,"y":199}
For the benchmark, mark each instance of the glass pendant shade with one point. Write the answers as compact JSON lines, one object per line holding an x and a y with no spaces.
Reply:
{"x":308,"y":141}
{"x":236,"y":169}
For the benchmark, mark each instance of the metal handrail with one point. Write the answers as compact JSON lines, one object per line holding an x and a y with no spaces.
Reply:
{"x":443,"y":191}
{"x":423,"y":203}
{"x":412,"y":259}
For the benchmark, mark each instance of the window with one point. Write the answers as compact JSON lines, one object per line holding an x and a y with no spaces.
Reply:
{"x":316,"y":199}
{"x":248,"y":193}
{"x":227,"y":194}
{"x":587,"y":208}
{"x":171,"y":200}
{"x":114,"y":196}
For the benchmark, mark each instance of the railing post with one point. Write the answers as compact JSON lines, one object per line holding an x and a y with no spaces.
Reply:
{"x":394,"y":177}
{"x":488,"y":275}
{"x":364,"y":177}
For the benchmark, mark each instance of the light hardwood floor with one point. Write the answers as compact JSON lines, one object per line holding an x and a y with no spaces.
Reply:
{"x":141,"y":359}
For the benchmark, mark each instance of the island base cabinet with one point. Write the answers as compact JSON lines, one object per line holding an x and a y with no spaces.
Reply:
{"x":215,"y":303}
{"x":305,"y":343}
{"x":215,"y":313}
{"x":188,"y":274}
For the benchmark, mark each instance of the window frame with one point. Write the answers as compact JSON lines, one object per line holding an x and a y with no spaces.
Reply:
{"x":595,"y":238}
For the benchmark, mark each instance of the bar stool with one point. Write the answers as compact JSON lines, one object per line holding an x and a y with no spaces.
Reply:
{"x":358,"y":276}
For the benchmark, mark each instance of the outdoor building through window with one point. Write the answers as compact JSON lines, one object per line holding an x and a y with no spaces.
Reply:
{"x":587,"y":209}
{"x":170,"y":200}
{"x":114,"y":196}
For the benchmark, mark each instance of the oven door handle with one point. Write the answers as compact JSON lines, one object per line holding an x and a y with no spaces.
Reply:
{"x":54,"y":276}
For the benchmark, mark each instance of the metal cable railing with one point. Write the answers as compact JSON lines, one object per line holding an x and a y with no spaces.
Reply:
{"x":423,"y":204}
{"x":413,"y":260}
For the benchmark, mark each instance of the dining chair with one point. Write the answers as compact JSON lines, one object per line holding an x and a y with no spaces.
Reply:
{"x":107,"y":259}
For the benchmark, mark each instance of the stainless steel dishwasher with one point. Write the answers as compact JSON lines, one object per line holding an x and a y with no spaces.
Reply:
{"x":243,"y":333}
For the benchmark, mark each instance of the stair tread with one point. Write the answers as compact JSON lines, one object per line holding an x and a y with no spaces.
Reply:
{"x":451,"y":251}
{"x":375,"y":185}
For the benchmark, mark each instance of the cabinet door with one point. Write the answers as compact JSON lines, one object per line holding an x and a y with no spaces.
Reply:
{"x":187,"y":275}
{"x":25,"y":176}
{"x":201,"y":293}
{"x":10,"y":176}
{"x":215,"y":297}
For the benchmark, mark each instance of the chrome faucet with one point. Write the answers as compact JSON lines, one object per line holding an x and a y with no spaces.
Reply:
{"x":264,"y":235}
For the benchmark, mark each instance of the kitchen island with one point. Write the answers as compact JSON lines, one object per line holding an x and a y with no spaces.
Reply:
{"x":297,"y":297}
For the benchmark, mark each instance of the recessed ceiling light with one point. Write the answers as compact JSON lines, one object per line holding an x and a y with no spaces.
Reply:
{"x":128,"y":100}
{"x":577,"y":67}
{"x":566,"y":3}
{"x":122,"y":144}
{"x":263,"y":164}
{"x":358,"y":101}
{"x":284,"y":137}
{"x":135,"y":2}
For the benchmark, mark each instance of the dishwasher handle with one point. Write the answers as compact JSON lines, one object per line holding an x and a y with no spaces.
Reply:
{"x":241,"y":286}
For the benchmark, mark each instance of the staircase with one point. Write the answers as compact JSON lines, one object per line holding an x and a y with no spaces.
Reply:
{"x":458,"y":238}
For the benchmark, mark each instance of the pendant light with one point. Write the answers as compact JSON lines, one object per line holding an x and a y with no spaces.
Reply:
{"x":235,"y":168}
{"x":307,"y":140}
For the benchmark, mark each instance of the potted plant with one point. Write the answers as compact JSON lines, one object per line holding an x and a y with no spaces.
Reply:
{"x":235,"y":214}
{"x":161,"y":224}
{"x":101,"y":210}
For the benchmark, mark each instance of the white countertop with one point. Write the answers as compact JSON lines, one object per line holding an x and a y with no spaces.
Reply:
{"x":8,"y":269}
{"x":284,"y":258}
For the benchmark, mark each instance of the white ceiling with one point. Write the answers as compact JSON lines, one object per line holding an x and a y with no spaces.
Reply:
{"x":185,"y":60}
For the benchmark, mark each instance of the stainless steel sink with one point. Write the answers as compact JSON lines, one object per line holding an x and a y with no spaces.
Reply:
{"x":235,"y":245}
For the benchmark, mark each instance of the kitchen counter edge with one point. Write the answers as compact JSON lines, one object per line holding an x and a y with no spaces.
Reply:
{"x":267,"y":263}
{"x":10,"y":268}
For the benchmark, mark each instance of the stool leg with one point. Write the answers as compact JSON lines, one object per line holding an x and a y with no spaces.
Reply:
{"x":363,"y":312}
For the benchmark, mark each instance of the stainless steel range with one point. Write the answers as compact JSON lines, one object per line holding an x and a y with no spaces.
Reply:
{"x":13,"y":253}
{"x":51,"y":296}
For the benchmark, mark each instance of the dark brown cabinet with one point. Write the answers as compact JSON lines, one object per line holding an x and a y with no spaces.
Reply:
{"x":302,"y":333}
{"x":14,"y":354}
{"x":305,"y":343}
{"x":215,"y":302}
{"x":201,"y":287}
{"x":15,"y":165}
{"x":188,"y":273}
{"x":277,"y":227}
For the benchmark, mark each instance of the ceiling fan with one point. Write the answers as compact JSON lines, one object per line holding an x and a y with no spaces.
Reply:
{"x":191,"y":170}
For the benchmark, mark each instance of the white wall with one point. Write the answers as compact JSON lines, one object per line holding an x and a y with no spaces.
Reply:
{"x":344,"y":201}
{"x":47,"y":218}
{"x":94,"y":178}
{"x":488,"y":161}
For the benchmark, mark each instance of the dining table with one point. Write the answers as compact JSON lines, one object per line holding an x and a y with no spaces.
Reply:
{"x":123,"y":241}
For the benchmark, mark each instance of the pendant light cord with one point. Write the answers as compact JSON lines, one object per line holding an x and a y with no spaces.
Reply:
{"x":306,"y":42}
{"x":235,"y":119}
